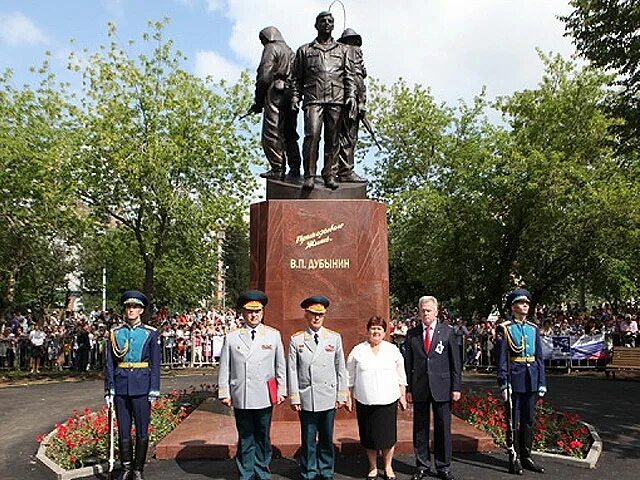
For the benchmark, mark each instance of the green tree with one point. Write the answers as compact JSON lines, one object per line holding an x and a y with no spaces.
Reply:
{"x":163,"y":157}
{"x":476,"y":209}
{"x":236,"y":261}
{"x":607,"y":33}
{"x":36,"y":209}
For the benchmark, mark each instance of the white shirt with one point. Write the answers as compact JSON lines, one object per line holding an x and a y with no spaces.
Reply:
{"x":37,"y":337}
{"x":376,"y":377}
{"x":428,"y":328}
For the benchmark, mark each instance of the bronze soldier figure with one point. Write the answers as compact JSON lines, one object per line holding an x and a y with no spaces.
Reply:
{"x":323,"y":79}
{"x":349,"y":131}
{"x":273,"y":97}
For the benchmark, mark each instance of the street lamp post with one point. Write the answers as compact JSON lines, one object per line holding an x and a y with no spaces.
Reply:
{"x":220,"y":236}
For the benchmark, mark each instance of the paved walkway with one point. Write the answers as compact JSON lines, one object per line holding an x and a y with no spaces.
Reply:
{"x":612,"y":406}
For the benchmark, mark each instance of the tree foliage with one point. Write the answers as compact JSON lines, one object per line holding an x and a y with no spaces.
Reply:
{"x":162,"y":157}
{"x":477,"y":208}
{"x":36,"y":209}
{"x":607,"y":33}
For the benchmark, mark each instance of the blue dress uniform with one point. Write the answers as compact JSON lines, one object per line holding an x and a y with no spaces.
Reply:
{"x":521,"y":373}
{"x":132,"y":379}
{"x":317,"y":377}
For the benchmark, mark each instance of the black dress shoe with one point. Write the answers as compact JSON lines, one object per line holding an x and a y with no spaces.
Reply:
{"x":424,"y":474}
{"x":309,"y":183}
{"x":529,"y":464}
{"x":515,"y":467}
{"x":446,"y":475}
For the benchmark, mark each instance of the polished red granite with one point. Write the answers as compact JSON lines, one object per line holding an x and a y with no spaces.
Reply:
{"x":209,"y":434}
{"x":336,"y":248}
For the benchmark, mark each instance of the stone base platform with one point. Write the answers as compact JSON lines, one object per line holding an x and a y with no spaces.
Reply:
{"x":210,"y":433}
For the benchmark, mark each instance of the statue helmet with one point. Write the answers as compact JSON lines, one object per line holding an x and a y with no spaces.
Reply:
{"x":351,"y":37}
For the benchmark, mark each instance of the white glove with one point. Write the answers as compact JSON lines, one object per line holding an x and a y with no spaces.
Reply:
{"x":108,"y":400}
{"x":542,"y":390}
{"x":505,"y":394}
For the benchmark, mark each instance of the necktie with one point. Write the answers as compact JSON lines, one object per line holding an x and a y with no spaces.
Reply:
{"x":315,"y":337}
{"x":253,"y":335}
{"x":427,"y":340}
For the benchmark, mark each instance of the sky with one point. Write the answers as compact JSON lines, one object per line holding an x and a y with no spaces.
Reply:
{"x":452,"y":46}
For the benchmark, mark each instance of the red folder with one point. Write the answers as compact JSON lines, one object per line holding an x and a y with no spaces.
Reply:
{"x":272,"y":385}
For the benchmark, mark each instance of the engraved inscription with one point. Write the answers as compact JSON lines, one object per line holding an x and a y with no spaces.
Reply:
{"x":319,"y":263}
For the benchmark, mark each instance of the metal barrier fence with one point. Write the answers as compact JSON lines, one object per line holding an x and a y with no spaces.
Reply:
{"x":190,"y":351}
{"x":477,"y":353}
{"x":57,"y":354}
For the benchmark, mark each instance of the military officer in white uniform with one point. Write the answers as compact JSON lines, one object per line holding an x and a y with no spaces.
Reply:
{"x":317,"y":387}
{"x":252,"y":358}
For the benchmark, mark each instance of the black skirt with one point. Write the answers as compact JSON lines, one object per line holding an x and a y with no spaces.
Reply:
{"x":377,"y":425}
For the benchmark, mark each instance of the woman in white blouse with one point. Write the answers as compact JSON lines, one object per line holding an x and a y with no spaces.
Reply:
{"x":377,"y":382}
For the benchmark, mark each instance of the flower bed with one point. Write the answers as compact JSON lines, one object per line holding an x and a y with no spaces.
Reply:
{"x":554,"y":431}
{"x":83,"y":439}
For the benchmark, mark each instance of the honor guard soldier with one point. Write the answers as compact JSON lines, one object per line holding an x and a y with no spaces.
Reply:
{"x":318,"y":385}
{"x":521,"y":379}
{"x":251,"y":379}
{"x":132,"y":380}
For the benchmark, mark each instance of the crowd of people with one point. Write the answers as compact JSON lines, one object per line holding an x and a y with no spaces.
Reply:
{"x":75,"y":340}
{"x":476,"y":337}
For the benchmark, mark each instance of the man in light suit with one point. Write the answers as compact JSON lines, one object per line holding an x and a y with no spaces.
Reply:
{"x":434,"y":379}
{"x":317,"y":387}
{"x":251,"y":357}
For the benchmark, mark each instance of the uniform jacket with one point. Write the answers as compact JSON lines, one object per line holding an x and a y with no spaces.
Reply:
{"x":323,"y":74}
{"x":276,"y":64}
{"x":518,"y":339}
{"x":360,"y":73}
{"x":246,"y":365}
{"x":317,"y":373}
{"x":136,"y":344}
{"x":436,"y":373}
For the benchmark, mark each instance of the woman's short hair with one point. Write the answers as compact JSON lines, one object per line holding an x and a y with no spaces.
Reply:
{"x":376,"y":321}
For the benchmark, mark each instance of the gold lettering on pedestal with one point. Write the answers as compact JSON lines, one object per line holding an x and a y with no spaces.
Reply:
{"x":319,"y":263}
{"x":319,"y":237}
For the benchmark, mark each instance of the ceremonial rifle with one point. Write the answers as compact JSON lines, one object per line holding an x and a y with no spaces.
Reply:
{"x":514,"y":462}
{"x":112,"y":453}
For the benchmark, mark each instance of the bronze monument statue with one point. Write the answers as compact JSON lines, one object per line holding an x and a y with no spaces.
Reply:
{"x":323,"y":79}
{"x":273,"y":98}
{"x":349,"y":130}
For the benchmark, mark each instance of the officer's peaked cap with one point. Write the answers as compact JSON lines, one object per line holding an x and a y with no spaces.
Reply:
{"x":252,"y":300}
{"x":315,"y":304}
{"x":517,"y":296}
{"x":134,"y":297}
{"x":350,"y":34}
